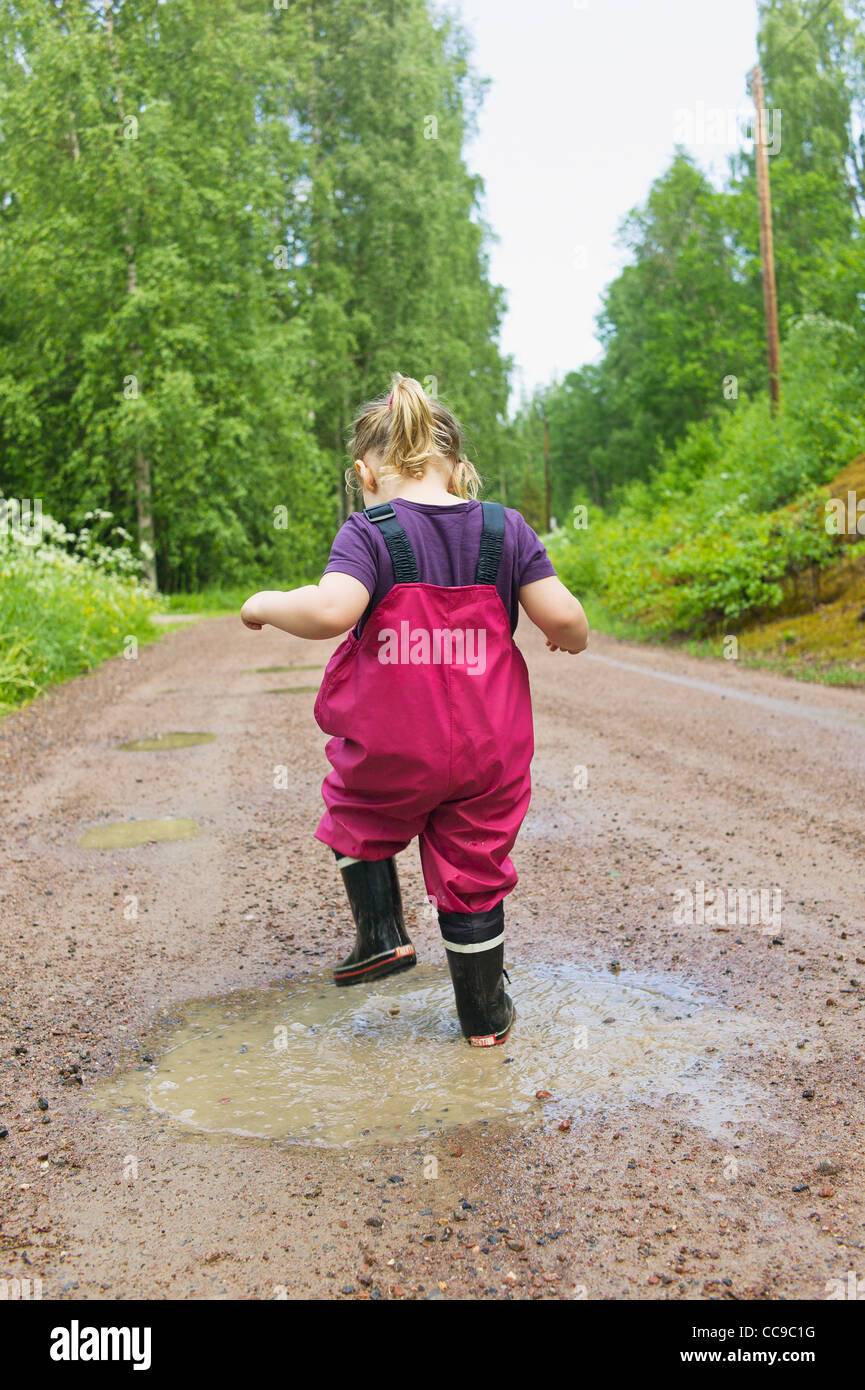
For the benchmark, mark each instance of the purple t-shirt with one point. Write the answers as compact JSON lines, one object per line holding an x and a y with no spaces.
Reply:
{"x":445,"y":538}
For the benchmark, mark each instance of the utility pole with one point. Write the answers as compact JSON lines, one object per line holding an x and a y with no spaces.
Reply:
{"x":548,"y":487}
{"x":767,"y":251}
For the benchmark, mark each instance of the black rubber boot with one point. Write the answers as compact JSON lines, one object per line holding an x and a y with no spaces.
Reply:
{"x":381,"y":945}
{"x":475,"y":947}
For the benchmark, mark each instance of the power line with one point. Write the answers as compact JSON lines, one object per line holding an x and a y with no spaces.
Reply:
{"x":806,"y":25}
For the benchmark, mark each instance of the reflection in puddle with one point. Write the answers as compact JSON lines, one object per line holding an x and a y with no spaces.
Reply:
{"x":387,"y":1062}
{"x":125,"y":834}
{"x":153,"y":745}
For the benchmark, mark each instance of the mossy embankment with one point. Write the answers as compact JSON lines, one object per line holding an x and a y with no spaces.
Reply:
{"x":817,"y":632}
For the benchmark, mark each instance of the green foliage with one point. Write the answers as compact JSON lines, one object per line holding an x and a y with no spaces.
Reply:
{"x":682,"y":326}
{"x":69,"y":601}
{"x":531,"y":503}
{"x":703,"y":505}
{"x":214,"y":601}
{"x":394,"y":264}
{"x":733,"y":511}
{"x":222,"y":226}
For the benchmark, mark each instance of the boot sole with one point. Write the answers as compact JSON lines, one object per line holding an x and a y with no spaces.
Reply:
{"x":402,"y":958}
{"x":494,"y":1039}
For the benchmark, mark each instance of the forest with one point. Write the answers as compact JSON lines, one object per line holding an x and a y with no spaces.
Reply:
{"x":222,"y":228}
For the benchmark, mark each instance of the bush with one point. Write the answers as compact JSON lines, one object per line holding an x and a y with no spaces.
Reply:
{"x":735,"y":509}
{"x":68,"y":601}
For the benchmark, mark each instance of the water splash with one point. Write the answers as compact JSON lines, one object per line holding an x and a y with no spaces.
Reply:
{"x":387,"y":1062}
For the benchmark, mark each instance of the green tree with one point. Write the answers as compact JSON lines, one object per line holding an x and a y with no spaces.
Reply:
{"x":221,"y":228}
{"x":813,"y":59}
{"x":681,"y":327}
{"x":394,"y":271}
{"x":145,"y":367}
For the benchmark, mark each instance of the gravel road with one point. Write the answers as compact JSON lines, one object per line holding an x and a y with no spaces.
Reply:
{"x":692,"y":771}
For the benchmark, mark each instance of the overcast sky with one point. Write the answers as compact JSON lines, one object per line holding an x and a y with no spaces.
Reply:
{"x":587,"y":101}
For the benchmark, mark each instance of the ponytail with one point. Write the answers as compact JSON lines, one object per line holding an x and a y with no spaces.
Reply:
{"x":405,"y":429}
{"x":465,"y":480}
{"x":411,"y":437}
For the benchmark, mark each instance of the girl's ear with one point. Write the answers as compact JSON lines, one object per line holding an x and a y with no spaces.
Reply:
{"x":366,"y":475}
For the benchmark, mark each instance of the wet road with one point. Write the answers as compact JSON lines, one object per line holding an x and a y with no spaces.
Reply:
{"x":693,"y":825}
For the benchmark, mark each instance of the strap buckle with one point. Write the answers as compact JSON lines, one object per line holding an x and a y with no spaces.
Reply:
{"x":382,"y":511}
{"x":399,"y":547}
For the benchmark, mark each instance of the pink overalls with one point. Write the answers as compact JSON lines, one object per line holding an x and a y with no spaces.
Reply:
{"x":431,"y":723}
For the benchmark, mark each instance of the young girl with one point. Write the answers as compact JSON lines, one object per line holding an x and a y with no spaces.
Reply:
{"x":427,"y":699}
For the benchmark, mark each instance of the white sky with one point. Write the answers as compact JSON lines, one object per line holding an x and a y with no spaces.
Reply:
{"x":584,"y":109}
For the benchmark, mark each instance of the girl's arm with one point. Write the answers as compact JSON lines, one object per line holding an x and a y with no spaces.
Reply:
{"x":557,"y":613}
{"x":326,"y":609}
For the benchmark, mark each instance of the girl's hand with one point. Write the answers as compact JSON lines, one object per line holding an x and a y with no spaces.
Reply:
{"x":572,"y":651}
{"x":248,"y":620}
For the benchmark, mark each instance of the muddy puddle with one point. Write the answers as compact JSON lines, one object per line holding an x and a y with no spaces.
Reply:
{"x":127,"y":834}
{"x":171,"y":740}
{"x":386,"y":1062}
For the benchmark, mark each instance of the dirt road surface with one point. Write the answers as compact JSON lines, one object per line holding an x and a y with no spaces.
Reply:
{"x":693,"y":771}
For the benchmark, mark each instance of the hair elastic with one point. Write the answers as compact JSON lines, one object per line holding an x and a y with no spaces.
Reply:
{"x":390,"y":402}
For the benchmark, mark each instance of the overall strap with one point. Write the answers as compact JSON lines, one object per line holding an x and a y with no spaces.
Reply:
{"x":405,"y":569}
{"x":492,"y":541}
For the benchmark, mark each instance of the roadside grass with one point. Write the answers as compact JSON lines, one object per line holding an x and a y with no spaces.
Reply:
{"x":61,"y":616}
{"x":215,"y":601}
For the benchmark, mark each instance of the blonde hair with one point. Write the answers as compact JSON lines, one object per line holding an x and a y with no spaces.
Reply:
{"x":405,"y":429}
